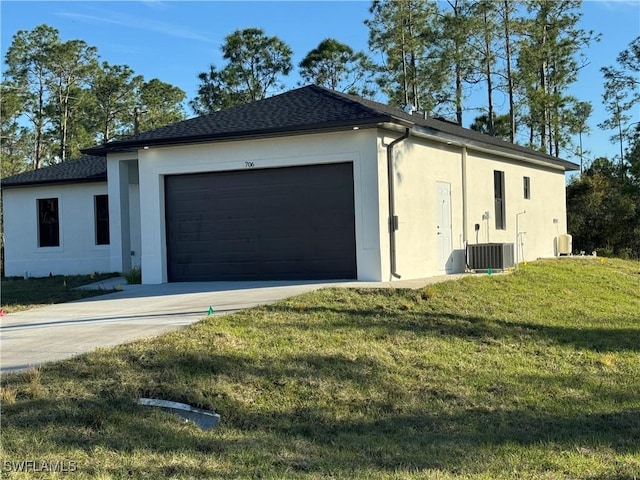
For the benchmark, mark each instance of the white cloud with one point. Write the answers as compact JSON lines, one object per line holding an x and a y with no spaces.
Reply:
{"x":155,"y":4}
{"x":139,"y":23}
{"x":619,"y":4}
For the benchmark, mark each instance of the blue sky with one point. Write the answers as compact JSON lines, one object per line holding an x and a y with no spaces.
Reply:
{"x":174,"y":41}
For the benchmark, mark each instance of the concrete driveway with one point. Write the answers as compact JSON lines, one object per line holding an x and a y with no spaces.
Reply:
{"x":56,"y":332}
{"x":64,"y":330}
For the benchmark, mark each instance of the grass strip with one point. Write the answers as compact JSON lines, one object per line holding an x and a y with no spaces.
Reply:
{"x":22,"y":294}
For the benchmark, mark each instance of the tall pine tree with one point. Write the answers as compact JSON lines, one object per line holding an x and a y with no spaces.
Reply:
{"x":406,"y":33}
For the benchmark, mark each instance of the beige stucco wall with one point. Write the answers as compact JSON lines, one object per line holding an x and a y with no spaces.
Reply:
{"x":358,"y":147}
{"x":419,"y":165}
{"x":77,"y":253}
{"x":548,"y":202}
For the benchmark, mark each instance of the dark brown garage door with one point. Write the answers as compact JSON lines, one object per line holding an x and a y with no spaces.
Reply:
{"x":280,"y":223}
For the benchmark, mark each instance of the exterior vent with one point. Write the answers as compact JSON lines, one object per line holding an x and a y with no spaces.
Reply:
{"x":494,"y":256}
{"x":565,"y":244}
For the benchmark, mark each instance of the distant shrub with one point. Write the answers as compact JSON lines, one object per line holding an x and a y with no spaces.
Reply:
{"x":625,"y":253}
{"x":603,"y":252}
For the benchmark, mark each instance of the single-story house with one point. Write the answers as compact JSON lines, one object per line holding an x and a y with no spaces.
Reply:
{"x":309,"y":184}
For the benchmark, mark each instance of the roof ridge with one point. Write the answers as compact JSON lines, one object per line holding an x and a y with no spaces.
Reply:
{"x":348,"y":97}
{"x":239,"y":107}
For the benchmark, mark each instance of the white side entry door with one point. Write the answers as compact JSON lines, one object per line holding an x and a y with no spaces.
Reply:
{"x":445,"y":246}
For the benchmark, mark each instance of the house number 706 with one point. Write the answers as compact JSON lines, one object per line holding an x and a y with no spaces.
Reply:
{"x":249,"y":164}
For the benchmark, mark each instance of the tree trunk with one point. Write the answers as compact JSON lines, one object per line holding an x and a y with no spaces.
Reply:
{"x":412,"y":62}
{"x":487,"y":44}
{"x":531,"y":130}
{"x":507,"y":39}
{"x":556,"y":125}
{"x":404,"y":59}
{"x":37,"y":161}
{"x":458,"y":93}
{"x":64,"y":126}
{"x":581,"y":162}
{"x":542,"y":107}
{"x":458,"y":72}
{"x":619,"y":117}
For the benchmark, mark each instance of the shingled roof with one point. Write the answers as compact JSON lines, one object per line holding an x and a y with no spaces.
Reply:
{"x":82,"y":170}
{"x":304,"y":110}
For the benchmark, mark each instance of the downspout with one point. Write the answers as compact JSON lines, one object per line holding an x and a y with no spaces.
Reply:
{"x":465,"y":231}
{"x":393,"y":218}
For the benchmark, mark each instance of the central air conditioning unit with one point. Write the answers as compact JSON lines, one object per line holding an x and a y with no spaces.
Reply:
{"x":490,"y":256}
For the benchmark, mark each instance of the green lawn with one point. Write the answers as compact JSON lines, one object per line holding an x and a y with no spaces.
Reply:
{"x":20,"y":294}
{"x":529,"y":375}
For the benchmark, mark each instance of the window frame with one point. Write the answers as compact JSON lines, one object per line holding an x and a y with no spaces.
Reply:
{"x":526,"y":185}
{"x":48,"y":229}
{"x":499,"y":198}
{"x":102,"y":234}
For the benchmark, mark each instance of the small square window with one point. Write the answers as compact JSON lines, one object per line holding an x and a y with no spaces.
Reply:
{"x":527,"y":187}
{"x":48,"y":222}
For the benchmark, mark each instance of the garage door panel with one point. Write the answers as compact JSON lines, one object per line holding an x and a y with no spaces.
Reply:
{"x":283,"y":223}
{"x":202,"y":271}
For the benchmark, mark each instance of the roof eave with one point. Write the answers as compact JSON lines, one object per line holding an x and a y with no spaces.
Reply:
{"x":531,"y":156}
{"x":133,"y":145}
{"x":36,"y":183}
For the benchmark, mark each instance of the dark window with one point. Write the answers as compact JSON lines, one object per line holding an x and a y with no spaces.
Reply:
{"x":102,"y":219}
{"x":499,"y":197}
{"x":527,"y":187}
{"x":48,"y":223}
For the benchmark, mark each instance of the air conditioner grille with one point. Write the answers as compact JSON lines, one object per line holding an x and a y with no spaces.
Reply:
{"x":494,"y":256}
